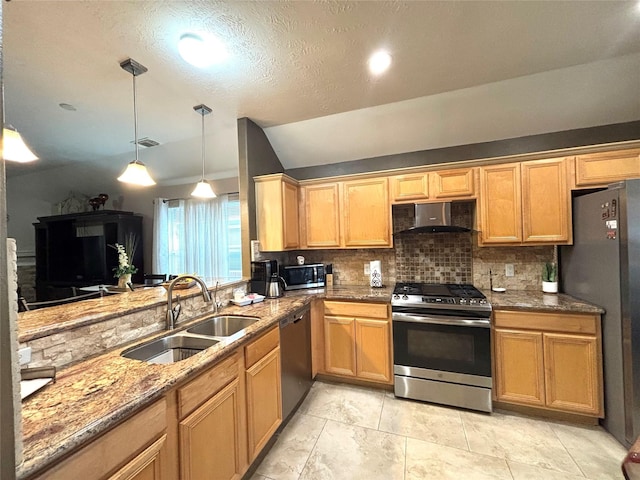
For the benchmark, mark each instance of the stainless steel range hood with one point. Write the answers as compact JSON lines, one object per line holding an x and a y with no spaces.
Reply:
{"x":433,"y":218}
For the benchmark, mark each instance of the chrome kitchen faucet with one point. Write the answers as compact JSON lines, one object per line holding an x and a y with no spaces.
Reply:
{"x":174,"y":312}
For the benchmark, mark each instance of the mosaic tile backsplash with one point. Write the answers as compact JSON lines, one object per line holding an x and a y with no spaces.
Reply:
{"x":433,"y":257}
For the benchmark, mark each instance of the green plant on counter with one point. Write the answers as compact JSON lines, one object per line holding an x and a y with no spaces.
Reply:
{"x":550,"y":272}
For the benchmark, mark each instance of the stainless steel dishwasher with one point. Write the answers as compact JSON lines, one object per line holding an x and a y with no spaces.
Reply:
{"x":295,"y":352}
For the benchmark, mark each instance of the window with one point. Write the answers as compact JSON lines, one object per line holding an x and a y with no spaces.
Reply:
{"x":198,"y":236}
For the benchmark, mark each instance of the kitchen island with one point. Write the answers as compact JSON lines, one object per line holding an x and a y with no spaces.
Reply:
{"x":93,"y":395}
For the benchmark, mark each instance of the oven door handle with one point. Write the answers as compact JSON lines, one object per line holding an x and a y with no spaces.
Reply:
{"x":459,"y":321}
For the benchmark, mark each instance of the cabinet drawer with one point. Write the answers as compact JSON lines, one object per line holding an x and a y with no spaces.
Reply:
{"x":548,"y":322}
{"x":260,"y":347}
{"x":355,"y":309}
{"x":115,"y":448}
{"x":196,"y":392}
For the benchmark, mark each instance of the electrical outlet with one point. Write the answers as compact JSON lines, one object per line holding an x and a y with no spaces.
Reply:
{"x":366,"y":269}
{"x":24,"y":355}
{"x":509,"y":270}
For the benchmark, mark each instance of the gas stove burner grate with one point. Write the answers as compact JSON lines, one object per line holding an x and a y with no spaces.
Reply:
{"x":440,"y":290}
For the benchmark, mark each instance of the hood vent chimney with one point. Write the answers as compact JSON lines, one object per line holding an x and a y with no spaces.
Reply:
{"x":433,"y":218}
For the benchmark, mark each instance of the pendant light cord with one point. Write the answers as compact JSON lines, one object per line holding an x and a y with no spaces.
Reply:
{"x":135,"y":117}
{"x":203,"y":145}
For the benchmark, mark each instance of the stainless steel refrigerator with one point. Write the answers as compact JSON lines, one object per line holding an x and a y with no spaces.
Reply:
{"x":603,"y":267}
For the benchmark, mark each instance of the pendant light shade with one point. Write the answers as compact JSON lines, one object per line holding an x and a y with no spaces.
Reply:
{"x":13,"y":147}
{"x":203,"y":188}
{"x":136,"y":172}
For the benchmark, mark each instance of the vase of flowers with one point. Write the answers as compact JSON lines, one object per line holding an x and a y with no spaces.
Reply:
{"x":125,"y":254}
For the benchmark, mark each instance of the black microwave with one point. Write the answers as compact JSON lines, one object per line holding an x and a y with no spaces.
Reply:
{"x":303,"y":276}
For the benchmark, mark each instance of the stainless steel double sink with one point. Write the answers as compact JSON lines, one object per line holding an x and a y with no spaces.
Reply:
{"x":174,"y":347}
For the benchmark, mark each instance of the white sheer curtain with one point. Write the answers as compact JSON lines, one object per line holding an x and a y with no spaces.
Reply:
{"x":191,"y":236}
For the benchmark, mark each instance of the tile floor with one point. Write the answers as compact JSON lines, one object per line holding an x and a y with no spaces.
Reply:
{"x":348,"y":433}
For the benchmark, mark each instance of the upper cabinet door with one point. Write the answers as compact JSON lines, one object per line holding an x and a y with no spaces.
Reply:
{"x":366,"y":214}
{"x":600,"y":169}
{"x":277,"y":213}
{"x":321,"y":219}
{"x":500,"y":204}
{"x":409,"y":188}
{"x":546,"y":203}
{"x":450,"y":184}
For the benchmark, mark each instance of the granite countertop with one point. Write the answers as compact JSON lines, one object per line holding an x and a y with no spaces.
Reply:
{"x":534,"y":300}
{"x":92,"y":396}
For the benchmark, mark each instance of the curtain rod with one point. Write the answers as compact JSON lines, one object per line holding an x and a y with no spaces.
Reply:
{"x":165,"y":200}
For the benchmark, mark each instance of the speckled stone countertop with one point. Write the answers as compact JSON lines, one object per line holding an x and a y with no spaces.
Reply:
{"x":94,"y":395}
{"x":534,"y":300}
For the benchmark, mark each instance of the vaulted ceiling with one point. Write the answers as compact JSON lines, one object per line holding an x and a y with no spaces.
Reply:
{"x":461,"y":72}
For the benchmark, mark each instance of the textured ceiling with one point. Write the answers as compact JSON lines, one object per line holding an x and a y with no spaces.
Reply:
{"x":298,"y":69}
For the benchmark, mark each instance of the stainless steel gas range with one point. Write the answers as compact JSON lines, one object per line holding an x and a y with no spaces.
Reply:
{"x":442,"y":344}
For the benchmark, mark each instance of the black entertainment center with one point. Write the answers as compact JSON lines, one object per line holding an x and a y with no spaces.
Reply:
{"x":74,"y":250}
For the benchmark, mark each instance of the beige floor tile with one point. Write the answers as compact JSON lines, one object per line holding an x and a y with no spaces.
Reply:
{"x":597,"y":453}
{"x":344,"y":403}
{"x":257,"y":476}
{"x":351,"y":452}
{"x":427,"y":460}
{"x":520,"y":471}
{"x":423,"y":421}
{"x":517,"y":438}
{"x":287,"y":457}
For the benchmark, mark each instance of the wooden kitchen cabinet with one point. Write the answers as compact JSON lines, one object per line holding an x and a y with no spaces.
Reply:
{"x":339,"y":341}
{"x":603,"y":168}
{"x":549,"y":360}
{"x":366,"y":213}
{"x":525,"y":203}
{"x":350,"y":214}
{"x":277,"y":212}
{"x":135,"y":449}
{"x":409,"y":188}
{"x":210,"y":438}
{"x":264,"y":390}
{"x":211,"y":428}
{"x":546,"y":202}
{"x":357,"y":340}
{"x":457,"y":184}
{"x":500,"y":204}
{"x":321,"y":221}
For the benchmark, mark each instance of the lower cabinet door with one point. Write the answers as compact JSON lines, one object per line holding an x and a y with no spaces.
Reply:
{"x":209,"y":438}
{"x":519,"y":367}
{"x":339,"y":346}
{"x":572,"y":373}
{"x":146,"y":466}
{"x":264,"y":401}
{"x":373,"y":350}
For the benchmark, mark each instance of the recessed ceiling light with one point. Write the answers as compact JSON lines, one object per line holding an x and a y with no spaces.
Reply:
{"x":379,"y":62}
{"x":67,"y":106}
{"x":201,"y":50}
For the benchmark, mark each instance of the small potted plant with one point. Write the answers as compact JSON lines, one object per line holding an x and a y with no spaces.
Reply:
{"x":550,"y":278}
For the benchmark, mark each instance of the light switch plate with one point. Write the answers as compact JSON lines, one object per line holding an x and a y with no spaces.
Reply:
{"x":366,"y":269}
{"x":509,"y":270}
{"x":24,"y":355}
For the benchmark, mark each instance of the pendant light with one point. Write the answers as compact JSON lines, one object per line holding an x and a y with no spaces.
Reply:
{"x":136,"y":173}
{"x":203,"y":188}
{"x":13,"y":147}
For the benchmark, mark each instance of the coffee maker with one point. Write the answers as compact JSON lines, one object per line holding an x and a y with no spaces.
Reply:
{"x":261,"y":273}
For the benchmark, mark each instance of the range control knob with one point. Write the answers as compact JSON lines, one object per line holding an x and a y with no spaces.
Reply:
{"x":463,"y":301}
{"x":404,"y":297}
{"x":473,"y":301}
{"x":483,"y":301}
{"x":396,"y":296}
